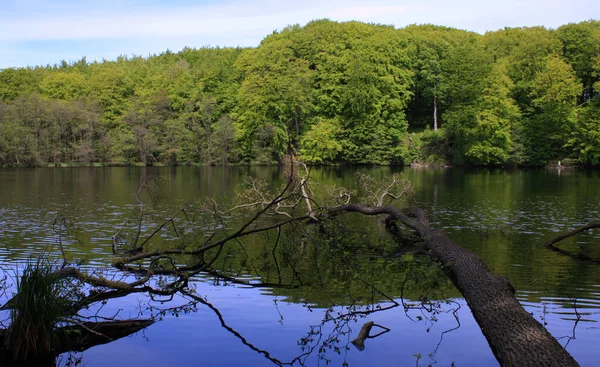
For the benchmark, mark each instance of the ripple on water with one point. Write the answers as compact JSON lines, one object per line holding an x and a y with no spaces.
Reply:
{"x":502,"y":228}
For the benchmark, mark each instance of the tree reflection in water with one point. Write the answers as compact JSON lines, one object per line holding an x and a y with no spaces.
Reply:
{"x":348,"y":270}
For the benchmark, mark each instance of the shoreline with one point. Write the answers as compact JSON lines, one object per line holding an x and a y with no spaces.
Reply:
{"x":414,"y":165}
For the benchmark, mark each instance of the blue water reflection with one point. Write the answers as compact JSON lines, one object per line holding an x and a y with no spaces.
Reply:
{"x":502,"y":216}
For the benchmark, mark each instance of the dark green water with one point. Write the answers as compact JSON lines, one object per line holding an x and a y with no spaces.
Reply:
{"x":319,"y":297}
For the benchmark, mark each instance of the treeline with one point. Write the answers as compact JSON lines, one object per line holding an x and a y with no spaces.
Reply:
{"x":334,"y":92}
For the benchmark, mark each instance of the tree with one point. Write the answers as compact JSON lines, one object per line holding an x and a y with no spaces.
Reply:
{"x":15,"y":143}
{"x":554,"y":96}
{"x":526,"y":49}
{"x":19,"y":82}
{"x":580,"y":48}
{"x":584,"y":139}
{"x":112,"y":86}
{"x":223,"y":143}
{"x":275,"y":92}
{"x":360,"y":84}
{"x":321,"y":143}
{"x":63,"y":85}
{"x":431,"y":46}
{"x":482,"y":132}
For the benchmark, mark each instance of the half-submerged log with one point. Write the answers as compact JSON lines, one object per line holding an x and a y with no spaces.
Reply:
{"x":515,"y":337}
{"x":76,"y":338}
{"x":363,"y":334}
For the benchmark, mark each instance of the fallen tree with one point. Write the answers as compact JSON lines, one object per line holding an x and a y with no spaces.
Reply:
{"x":514,"y":336}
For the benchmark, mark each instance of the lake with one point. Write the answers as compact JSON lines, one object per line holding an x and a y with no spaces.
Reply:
{"x":271,"y":301}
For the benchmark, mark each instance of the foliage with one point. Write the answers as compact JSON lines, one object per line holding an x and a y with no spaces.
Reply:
{"x":336,"y":93}
{"x":321,"y":143}
{"x":581,"y":43}
{"x":584,"y":140}
{"x":482,"y":132}
{"x":550,"y":121}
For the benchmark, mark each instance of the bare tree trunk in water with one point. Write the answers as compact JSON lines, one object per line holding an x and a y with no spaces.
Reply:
{"x":435,"y":119}
{"x":515,"y":337}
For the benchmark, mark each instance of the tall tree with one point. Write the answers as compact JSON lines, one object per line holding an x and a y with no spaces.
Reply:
{"x":554,"y":96}
{"x":482,"y":132}
{"x":581,"y":48}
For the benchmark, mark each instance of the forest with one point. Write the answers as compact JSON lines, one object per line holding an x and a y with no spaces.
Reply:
{"x":334,"y":93}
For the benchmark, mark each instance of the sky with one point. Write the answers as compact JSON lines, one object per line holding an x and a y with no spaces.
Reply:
{"x":36,"y":32}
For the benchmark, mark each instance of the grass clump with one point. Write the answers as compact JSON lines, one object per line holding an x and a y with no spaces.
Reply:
{"x":40,"y":303}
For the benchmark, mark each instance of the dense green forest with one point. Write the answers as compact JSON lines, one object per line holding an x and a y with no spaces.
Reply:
{"x":336,"y":93}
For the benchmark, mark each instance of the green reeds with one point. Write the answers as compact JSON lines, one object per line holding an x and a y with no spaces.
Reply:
{"x":38,"y":306}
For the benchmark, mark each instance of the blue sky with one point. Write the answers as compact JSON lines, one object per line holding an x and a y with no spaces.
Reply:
{"x":35,"y":32}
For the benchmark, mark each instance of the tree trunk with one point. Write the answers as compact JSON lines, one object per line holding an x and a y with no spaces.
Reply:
{"x":515,"y":337}
{"x":76,"y":338}
{"x":435,"y":119}
{"x":80,"y":338}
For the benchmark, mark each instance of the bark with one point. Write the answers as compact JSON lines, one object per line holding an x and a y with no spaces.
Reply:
{"x":435,"y":119}
{"x":515,"y":337}
{"x":363,"y":334}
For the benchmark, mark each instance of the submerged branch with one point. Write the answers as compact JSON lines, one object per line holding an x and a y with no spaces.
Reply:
{"x":550,"y":244}
{"x":553,"y":241}
{"x":364,"y":333}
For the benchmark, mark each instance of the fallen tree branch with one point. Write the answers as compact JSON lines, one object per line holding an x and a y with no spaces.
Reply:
{"x":364,"y":333}
{"x":551,"y":242}
{"x":122,"y":262}
{"x":84,"y":335}
{"x":100,"y":282}
{"x":514,"y":336}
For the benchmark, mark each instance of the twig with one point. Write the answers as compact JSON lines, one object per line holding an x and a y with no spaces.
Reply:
{"x":88,"y":329}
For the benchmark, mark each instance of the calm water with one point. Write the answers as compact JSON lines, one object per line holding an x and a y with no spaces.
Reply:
{"x":318,"y":298}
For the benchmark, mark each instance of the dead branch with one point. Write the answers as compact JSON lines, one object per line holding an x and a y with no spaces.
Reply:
{"x":393,"y":188}
{"x":364,"y":333}
{"x":359,"y":341}
{"x":84,"y":327}
{"x":303,"y":187}
{"x":120,"y":263}
{"x":265,"y":353}
{"x":62,"y":223}
{"x":100,"y":282}
{"x":161,"y":226}
{"x":551,"y":242}
{"x":515,"y":337}
{"x":141,"y":210}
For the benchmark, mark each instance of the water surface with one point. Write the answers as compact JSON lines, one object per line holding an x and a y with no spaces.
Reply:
{"x":318,"y":299}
